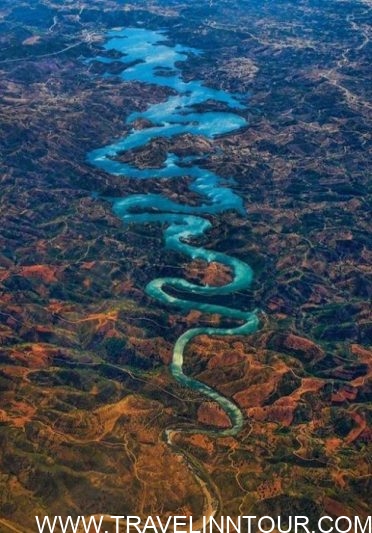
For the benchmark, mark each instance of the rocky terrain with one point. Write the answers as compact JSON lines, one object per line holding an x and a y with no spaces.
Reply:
{"x":86,"y":393}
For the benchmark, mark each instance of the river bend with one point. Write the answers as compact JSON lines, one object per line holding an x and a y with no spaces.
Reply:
{"x":147,"y":58}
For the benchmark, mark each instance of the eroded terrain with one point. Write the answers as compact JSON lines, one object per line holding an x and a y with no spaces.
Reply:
{"x":85,"y":389}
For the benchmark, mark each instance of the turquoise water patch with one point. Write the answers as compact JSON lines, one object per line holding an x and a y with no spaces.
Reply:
{"x":147,"y":58}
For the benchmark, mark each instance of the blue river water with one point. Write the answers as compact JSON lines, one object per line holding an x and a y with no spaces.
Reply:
{"x":147,"y":58}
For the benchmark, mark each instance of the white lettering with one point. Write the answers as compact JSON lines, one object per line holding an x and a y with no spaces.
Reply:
{"x":271,"y":520}
{"x":163,"y":529}
{"x":320,"y":524}
{"x":367,"y":528}
{"x":117,"y":522}
{"x":249,"y":518}
{"x":347,"y":519}
{"x":69,"y":523}
{"x":46,"y":522}
{"x":230,"y":521}
{"x":301,"y":521}
{"x":133,"y":521}
{"x":179,"y":521}
{"x":280,"y":525}
{"x":191,"y":530}
{"x":149,"y":524}
{"x":88,"y":526}
{"x":213,"y":522}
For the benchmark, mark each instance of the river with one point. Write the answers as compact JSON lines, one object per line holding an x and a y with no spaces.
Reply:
{"x":148,"y":58}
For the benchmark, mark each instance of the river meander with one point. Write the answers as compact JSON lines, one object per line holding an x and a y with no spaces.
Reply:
{"x":148,"y":58}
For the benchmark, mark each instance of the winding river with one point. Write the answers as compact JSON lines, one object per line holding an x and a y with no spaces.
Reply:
{"x":147,"y":58}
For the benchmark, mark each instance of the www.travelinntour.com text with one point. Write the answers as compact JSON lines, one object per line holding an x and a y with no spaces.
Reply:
{"x":205,"y":524}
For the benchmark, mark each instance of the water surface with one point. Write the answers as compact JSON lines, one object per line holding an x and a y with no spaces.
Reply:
{"x":147,"y":58}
